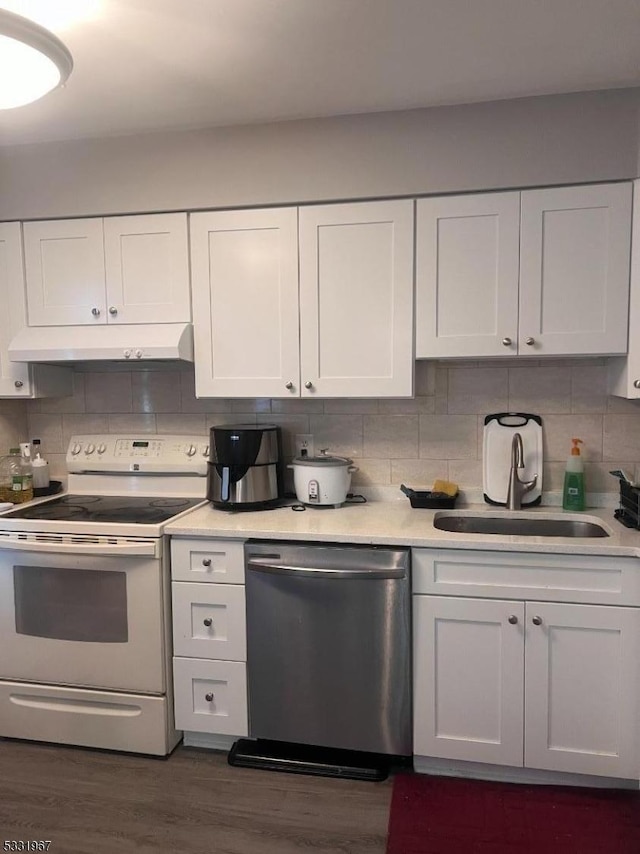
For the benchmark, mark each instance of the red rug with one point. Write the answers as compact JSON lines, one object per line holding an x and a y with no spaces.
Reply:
{"x":444,"y":815}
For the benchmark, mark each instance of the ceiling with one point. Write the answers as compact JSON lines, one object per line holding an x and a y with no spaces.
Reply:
{"x":149,"y":65}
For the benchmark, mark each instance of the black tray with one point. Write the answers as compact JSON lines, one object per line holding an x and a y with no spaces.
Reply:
{"x":425,"y":499}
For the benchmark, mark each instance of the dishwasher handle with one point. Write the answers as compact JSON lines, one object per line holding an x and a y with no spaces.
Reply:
{"x":263,"y":564}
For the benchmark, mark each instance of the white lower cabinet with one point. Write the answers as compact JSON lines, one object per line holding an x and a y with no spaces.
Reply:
{"x":209,"y":636}
{"x":526,"y":683}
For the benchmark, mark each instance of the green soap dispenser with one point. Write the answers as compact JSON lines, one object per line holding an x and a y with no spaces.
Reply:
{"x":573,"y":491}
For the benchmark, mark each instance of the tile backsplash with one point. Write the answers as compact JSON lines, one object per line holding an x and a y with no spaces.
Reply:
{"x":436,"y":434}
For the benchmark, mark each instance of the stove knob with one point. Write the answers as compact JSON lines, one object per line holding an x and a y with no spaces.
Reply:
{"x":205,"y":453}
{"x":138,"y":354}
{"x":90,"y":448}
{"x":191,"y":450}
{"x":102,"y":448}
{"x":76,"y":449}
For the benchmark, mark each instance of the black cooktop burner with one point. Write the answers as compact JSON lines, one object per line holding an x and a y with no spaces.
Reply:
{"x":129,"y":510}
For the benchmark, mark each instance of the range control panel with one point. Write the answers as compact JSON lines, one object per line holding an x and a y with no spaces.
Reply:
{"x":152,"y":454}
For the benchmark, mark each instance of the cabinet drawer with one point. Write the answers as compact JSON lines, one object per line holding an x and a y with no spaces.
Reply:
{"x":518,"y":575}
{"x":219,"y":561}
{"x":209,"y":621}
{"x":210,"y":696}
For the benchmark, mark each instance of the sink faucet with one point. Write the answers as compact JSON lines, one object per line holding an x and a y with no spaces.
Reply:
{"x":517,"y":487}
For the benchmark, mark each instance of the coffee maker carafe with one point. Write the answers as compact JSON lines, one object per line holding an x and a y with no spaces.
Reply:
{"x":245,"y":466}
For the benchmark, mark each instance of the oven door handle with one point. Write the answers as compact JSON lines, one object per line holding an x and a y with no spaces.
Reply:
{"x":124,"y":549}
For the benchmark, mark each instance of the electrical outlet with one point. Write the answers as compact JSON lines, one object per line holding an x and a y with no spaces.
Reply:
{"x":304,"y":445}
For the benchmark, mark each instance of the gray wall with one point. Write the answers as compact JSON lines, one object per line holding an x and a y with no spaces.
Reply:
{"x":525,"y":142}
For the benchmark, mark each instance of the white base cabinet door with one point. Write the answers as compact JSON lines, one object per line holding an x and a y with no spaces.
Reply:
{"x":468,"y":679}
{"x":574,"y":666}
{"x":581,"y":695}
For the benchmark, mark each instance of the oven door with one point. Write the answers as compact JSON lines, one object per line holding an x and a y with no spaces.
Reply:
{"x":82,"y":611}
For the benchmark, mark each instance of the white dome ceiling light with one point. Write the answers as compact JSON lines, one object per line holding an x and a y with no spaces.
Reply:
{"x":32,"y":61}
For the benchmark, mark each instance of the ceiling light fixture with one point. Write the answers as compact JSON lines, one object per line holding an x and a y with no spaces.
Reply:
{"x":32,"y":61}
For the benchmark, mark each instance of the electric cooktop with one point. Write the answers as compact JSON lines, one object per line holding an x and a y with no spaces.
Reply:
{"x":107,"y":508}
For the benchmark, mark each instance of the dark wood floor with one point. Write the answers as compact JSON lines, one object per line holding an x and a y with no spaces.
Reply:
{"x":93,"y":802}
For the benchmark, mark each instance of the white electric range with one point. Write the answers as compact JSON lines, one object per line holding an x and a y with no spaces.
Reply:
{"x":85,"y":630}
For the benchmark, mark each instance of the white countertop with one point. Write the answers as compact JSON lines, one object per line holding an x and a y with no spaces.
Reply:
{"x":397,"y":523}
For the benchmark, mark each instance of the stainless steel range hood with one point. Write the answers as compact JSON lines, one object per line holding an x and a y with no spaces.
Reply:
{"x":124,"y":342}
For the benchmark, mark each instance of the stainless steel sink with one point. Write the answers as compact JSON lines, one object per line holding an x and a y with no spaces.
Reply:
{"x":518,"y":526}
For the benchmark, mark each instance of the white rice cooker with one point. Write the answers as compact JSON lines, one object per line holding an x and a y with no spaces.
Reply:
{"x":323,"y":480}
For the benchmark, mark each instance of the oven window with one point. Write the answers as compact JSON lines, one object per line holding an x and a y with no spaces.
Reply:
{"x":71,"y":604}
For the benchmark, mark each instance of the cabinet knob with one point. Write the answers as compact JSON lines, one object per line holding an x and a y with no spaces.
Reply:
{"x":530,"y":341}
{"x":18,"y":383}
{"x":537,"y":621}
{"x":288,"y":385}
{"x":513,"y":619}
{"x":206,"y":561}
{"x":636,"y":383}
{"x":95,"y":312}
{"x":208,"y":621}
{"x":113,"y":310}
{"x":308,"y":384}
{"x":507,"y":342}
{"x":209,"y":698}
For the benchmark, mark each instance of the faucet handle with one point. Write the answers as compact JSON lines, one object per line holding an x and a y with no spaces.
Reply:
{"x":528,"y":485}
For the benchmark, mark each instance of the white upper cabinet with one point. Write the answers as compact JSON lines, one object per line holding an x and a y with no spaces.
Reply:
{"x":624,"y":373}
{"x":467,"y":275}
{"x":130,"y":269}
{"x":537,"y":273}
{"x":342,"y":326}
{"x":245,"y":302}
{"x":356,"y":299}
{"x":21,"y":380}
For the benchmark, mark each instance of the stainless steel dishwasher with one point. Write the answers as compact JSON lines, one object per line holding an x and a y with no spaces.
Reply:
{"x":328,"y":656}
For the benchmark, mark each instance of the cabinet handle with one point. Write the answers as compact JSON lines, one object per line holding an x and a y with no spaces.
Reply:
{"x":209,"y":698}
{"x":530,"y":341}
{"x":113,"y":310}
{"x":537,"y":621}
{"x":308,"y":384}
{"x":507,"y":342}
{"x":208,"y":621}
{"x":288,"y":385}
{"x":513,"y":619}
{"x":206,"y":561}
{"x":636,"y":383}
{"x":18,"y":383}
{"x":95,"y":312}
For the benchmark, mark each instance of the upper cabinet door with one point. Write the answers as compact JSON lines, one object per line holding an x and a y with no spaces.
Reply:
{"x":64,"y":262}
{"x":467,"y":252}
{"x":356,"y":299}
{"x":14,"y":377}
{"x":574,"y":270}
{"x":147,"y":268}
{"x":245,"y":303}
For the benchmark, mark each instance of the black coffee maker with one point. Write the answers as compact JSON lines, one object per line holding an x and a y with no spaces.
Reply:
{"x":245,"y":466}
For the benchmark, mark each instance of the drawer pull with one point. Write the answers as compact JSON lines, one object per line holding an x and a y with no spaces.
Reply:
{"x":537,"y":621}
{"x":206,"y":561}
{"x":208,"y":621}
{"x":209,"y":698}
{"x":513,"y":619}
